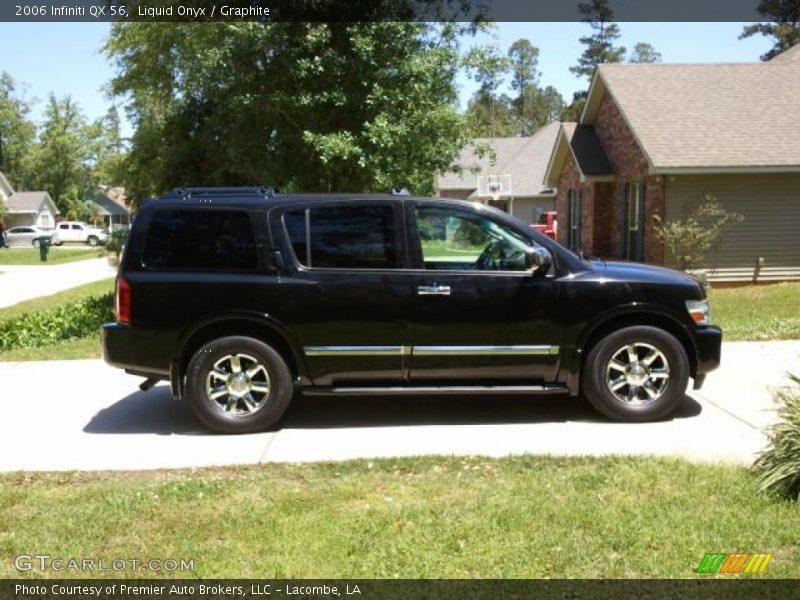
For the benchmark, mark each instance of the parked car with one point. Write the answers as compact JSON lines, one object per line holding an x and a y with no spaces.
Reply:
{"x":28,"y":235}
{"x":75,"y":231}
{"x":241,"y":298}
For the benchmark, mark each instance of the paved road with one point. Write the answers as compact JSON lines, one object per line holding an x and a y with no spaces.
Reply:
{"x":66,"y":415}
{"x":19,"y":283}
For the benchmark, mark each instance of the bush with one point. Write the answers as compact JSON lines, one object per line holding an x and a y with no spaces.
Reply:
{"x":69,"y":321}
{"x":689,"y":241}
{"x":778,"y":467}
{"x":116,"y":241}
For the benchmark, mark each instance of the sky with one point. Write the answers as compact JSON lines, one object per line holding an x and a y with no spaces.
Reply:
{"x":67,"y":58}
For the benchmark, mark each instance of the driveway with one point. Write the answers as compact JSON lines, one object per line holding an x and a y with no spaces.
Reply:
{"x":83,"y":415}
{"x":23,"y":282}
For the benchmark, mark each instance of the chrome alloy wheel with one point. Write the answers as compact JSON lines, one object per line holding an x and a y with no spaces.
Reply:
{"x":637,"y":374}
{"x":238,"y":385}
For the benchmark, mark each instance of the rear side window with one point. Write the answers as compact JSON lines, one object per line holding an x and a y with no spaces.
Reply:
{"x":344,"y":237}
{"x":218,"y":240}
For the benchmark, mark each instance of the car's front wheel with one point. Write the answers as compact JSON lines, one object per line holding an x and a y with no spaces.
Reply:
{"x":238,"y":384}
{"x":35,"y":243}
{"x":636,"y":374}
{"x":92,"y":241}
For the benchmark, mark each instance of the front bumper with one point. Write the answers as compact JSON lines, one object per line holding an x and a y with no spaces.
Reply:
{"x":709,"y":351}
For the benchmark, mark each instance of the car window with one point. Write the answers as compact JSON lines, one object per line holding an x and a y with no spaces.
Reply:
{"x":218,"y":240}
{"x":454,"y":239}
{"x":63,"y":226}
{"x":344,"y":237}
{"x":20,"y":230}
{"x":77,"y":227}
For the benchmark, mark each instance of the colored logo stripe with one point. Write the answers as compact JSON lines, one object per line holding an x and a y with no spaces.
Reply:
{"x":714,"y":562}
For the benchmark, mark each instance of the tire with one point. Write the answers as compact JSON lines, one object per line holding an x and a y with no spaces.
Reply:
{"x":643,"y":391}
{"x":35,"y":243}
{"x":92,"y":241}
{"x":254,"y":402}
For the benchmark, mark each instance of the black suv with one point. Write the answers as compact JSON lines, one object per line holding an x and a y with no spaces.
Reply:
{"x":242,"y":297}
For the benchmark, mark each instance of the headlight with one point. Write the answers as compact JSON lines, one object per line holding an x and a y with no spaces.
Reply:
{"x":699,"y":311}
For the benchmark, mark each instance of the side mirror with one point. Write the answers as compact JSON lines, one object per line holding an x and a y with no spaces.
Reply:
{"x":537,"y":259}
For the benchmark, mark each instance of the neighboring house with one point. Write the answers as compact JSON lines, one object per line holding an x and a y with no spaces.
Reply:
{"x":112,"y":207}
{"x":655,"y":138}
{"x":27,"y":208}
{"x":516,"y":165}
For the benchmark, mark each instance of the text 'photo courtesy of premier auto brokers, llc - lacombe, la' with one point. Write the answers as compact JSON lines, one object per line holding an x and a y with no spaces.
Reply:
{"x":202,"y":589}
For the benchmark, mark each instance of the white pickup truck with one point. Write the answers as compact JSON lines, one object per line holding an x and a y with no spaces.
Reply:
{"x":75,"y":231}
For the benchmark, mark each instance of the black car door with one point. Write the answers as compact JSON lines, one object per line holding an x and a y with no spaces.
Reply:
{"x":348,"y":296}
{"x":480,"y":315}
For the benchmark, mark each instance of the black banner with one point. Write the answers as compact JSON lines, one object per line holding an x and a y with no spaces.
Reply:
{"x":368,"y":589}
{"x":368,"y":10}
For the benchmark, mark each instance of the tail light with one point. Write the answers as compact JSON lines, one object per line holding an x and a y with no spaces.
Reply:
{"x":122,"y":301}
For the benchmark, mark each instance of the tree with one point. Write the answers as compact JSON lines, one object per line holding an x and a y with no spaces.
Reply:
{"x":524,"y":58}
{"x":783,"y":26}
{"x":62,"y":158}
{"x":688,"y":241}
{"x":600,"y":46}
{"x":17,"y":133}
{"x":489,"y":114}
{"x":110,"y":152}
{"x":310,"y":106}
{"x":644,"y":53}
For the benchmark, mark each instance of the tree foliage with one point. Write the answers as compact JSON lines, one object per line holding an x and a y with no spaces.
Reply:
{"x":688,"y":241}
{"x":599,"y":47}
{"x":17,"y":132}
{"x":491,"y":114}
{"x":298,"y":105}
{"x":783,"y":25}
{"x":644,"y":53}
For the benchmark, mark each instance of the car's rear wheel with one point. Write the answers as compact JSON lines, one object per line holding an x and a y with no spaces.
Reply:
{"x":636,"y":374}
{"x":238,"y":384}
{"x":35,"y":243}
{"x":92,"y":241}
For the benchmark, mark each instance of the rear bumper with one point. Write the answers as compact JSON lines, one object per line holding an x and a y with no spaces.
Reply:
{"x":709,"y":351}
{"x":117,"y":346}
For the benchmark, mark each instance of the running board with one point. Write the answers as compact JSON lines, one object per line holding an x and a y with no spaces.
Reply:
{"x":438,"y":390}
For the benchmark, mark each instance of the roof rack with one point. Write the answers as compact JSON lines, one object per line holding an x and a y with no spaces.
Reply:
{"x":186,"y":193}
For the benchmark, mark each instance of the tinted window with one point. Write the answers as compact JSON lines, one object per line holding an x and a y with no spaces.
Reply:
{"x":77,"y":227}
{"x":345,"y":237}
{"x":63,"y":226}
{"x":219,"y":240}
{"x":295,"y":222}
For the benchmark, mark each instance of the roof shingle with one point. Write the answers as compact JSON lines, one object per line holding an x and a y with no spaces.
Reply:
{"x":710,"y":115}
{"x":524,"y":158}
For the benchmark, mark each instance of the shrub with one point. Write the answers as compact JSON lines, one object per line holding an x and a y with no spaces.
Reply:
{"x":43,"y":327}
{"x":778,"y":467}
{"x":116,"y":241}
{"x":689,"y":240}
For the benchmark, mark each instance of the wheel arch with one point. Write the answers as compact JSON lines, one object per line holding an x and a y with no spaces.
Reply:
{"x":266,"y":329}
{"x":641,"y":316}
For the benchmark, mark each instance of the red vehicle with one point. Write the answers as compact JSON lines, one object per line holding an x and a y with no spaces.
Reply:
{"x":547,"y":224}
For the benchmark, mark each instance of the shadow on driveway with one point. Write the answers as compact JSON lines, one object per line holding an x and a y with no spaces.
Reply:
{"x":156,"y":412}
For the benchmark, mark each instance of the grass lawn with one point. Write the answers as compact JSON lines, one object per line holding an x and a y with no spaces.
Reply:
{"x":758,"y":312}
{"x":414,"y":517}
{"x":57,"y":255}
{"x":88,"y":347}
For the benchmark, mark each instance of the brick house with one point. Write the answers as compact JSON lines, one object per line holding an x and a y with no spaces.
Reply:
{"x":655,"y":138}
{"x":518,"y":163}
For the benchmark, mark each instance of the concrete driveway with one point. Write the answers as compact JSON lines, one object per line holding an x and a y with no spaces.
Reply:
{"x":23,"y":282}
{"x":83,"y":415}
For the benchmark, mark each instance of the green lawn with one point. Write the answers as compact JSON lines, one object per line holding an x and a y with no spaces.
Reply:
{"x":758,"y":312}
{"x":88,"y":347}
{"x":57,"y":255}
{"x":415,"y":517}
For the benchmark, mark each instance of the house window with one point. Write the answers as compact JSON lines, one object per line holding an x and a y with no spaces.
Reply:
{"x":574,"y":219}
{"x":634,"y":221}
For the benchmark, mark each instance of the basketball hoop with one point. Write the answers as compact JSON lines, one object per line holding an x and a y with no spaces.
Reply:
{"x":494,"y":186}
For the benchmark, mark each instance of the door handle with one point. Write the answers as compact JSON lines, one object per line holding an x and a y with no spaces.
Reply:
{"x":433,"y":290}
